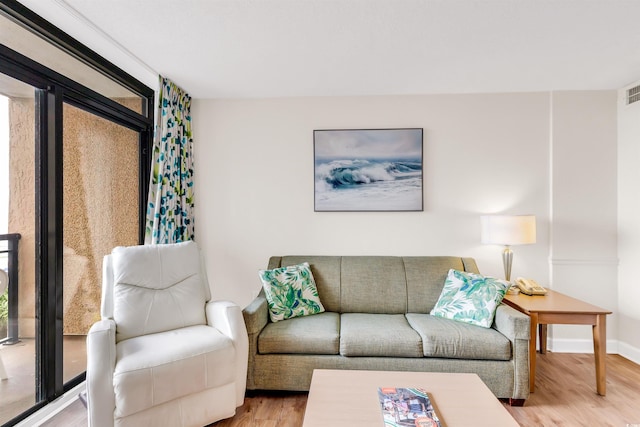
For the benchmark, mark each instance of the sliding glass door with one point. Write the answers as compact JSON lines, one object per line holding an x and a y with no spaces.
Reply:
{"x":77,"y":160}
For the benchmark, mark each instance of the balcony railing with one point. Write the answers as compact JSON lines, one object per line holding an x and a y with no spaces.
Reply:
{"x":12,"y":300}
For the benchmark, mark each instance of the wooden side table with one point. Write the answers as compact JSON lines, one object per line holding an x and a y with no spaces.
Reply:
{"x":558,"y":308}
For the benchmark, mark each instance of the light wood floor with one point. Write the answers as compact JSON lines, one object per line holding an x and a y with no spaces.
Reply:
{"x":565,"y":396}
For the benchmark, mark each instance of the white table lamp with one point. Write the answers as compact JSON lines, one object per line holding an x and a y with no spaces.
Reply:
{"x":508,"y":230}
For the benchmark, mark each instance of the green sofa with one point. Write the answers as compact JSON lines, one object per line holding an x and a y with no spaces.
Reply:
{"x":377,"y":318}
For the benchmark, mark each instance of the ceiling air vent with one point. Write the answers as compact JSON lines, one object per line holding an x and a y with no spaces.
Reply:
{"x":633,"y":95}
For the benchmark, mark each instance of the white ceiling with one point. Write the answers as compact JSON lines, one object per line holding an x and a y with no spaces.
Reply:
{"x":274,"y":48}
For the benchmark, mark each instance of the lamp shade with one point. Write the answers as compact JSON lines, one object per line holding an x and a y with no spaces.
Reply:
{"x":508,"y":229}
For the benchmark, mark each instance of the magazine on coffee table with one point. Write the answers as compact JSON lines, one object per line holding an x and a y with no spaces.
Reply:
{"x":407,"y":407}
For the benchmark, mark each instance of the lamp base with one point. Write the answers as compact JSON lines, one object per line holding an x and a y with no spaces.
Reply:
{"x":507,"y":260}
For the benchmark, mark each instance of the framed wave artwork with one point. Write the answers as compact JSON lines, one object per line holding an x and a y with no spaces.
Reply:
{"x":368,"y":170}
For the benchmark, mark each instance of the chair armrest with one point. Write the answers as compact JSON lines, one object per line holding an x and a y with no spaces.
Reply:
{"x":511,"y":323}
{"x":101,"y":362}
{"x":227,"y":318}
{"x":256,"y":314}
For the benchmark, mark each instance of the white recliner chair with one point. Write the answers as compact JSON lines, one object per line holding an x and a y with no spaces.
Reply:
{"x":163,"y":353}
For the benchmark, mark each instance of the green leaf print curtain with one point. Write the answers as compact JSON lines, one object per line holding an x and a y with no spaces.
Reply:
{"x":170,"y":206}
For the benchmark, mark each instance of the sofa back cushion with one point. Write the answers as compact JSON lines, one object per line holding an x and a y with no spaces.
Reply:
{"x":373,"y":284}
{"x":378,"y":284}
{"x":426,"y":276}
{"x":326,"y":273}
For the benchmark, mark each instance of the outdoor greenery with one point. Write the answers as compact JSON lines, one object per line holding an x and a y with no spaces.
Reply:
{"x":4,"y":307}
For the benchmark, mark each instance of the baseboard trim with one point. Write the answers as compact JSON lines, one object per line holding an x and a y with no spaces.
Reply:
{"x":578,"y":346}
{"x":586,"y":346}
{"x":629,"y":352}
{"x":49,"y":411}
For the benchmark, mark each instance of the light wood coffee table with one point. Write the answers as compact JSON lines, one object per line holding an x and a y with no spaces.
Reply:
{"x":350,"y":398}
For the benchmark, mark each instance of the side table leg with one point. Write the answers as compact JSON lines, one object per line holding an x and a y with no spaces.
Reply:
{"x":533,"y":318}
{"x":543,"y":338}
{"x":600,"y":353}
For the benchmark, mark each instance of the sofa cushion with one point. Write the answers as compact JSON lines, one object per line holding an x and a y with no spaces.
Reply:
{"x":291,"y":292}
{"x":157,"y":368}
{"x":326,"y":273}
{"x":385,"y":335}
{"x":318,"y":334}
{"x":373,"y":284}
{"x":425,"y":279}
{"x":470,"y":298}
{"x":450,"y":339}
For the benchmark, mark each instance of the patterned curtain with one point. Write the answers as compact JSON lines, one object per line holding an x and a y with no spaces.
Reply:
{"x":170,"y":207}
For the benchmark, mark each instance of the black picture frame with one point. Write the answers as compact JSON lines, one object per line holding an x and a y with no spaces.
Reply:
{"x":368,"y":170}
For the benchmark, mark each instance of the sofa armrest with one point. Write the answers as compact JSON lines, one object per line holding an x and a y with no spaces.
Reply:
{"x":511,"y":323}
{"x":515,"y":326}
{"x":256,"y":317}
{"x":101,"y":362}
{"x":256,"y":314}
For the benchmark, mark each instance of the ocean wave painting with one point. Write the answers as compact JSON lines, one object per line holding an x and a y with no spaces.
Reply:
{"x":368,"y":170}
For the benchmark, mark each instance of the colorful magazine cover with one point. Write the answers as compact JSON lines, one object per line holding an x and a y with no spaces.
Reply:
{"x":407,"y":407}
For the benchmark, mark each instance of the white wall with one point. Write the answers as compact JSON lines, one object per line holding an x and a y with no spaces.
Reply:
{"x":629,"y":227}
{"x":584,"y":261}
{"x":254,"y":181}
{"x":552,"y":155}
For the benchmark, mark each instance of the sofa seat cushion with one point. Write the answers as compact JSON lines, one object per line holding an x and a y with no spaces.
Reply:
{"x":153,"y":369}
{"x":316,"y":334}
{"x":384,"y":335}
{"x":452,"y":339}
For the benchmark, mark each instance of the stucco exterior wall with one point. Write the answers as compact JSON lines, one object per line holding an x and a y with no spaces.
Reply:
{"x":22,"y":205}
{"x":100,"y":208}
{"x":100,"y":187}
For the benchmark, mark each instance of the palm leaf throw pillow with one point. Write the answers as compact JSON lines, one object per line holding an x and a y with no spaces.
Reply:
{"x":470,"y":298}
{"x":291,"y":292}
